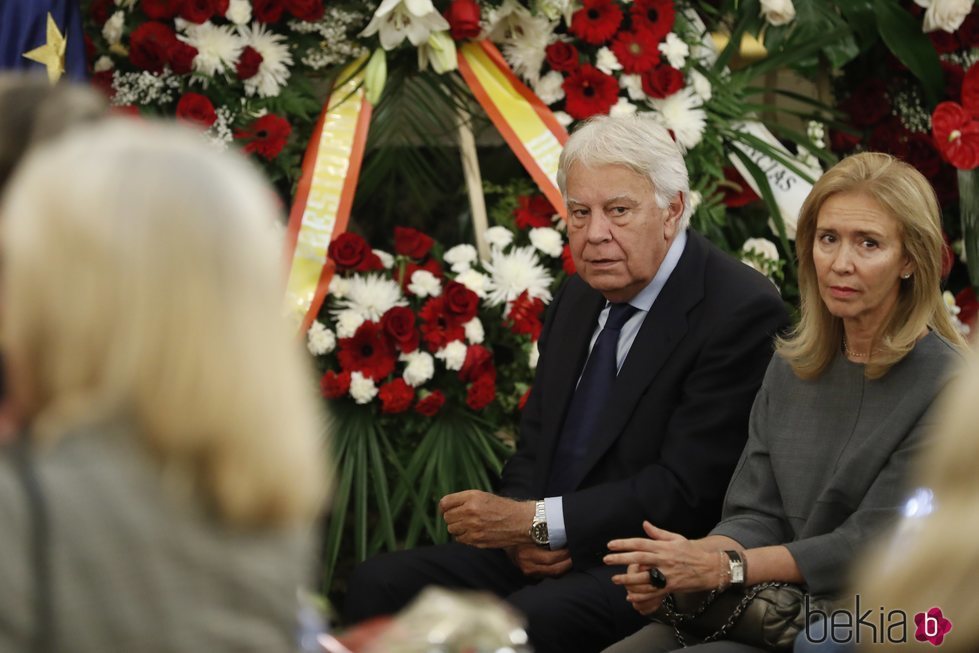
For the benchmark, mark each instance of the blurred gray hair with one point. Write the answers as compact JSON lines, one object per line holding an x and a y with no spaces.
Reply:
{"x":637,"y":142}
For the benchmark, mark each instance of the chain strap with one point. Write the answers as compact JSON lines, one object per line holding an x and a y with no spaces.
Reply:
{"x":678,"y":618}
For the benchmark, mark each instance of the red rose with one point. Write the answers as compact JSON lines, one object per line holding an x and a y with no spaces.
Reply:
{"x":654,"y":16}
{"x":367,"y":352}
{"x":478,"y":363}
{"x":597,"y":21}
{"x":843,"y":141}
{"x":970,"y":90}
{"x":956,"y":135}
{"x":943,"y":42}
{"x":968,"y":32}
{"x":333,"y":385}
{"x":399,"y":325}
{"x":221,"y":7}
{"x":430,"y":265}
{"x":921,"y":153}
{"x":948,"y":256}
{"x":868,"y":104}
{"x":437,"y":329}
{"x":954,"y":76}
{"x":149,"y":45}
{"x":306,"y":10}
{"x":481,"y":393}
{"x":266,"y":136}
{"x":103,"y":82}
{"x":267,"y":11}
{"x":737,"y":192}
{"x":197,"y":109}
{"x":463,"y":17}
{"x":99,"y":11}
{"x":396,"y":396}
{"x":430,"y":404}
{"x":567,"y":261}
{"x":248,"y":63}
{"x":460,"y":303}
{"x":891,"y":136}
{"x":411,"y":243}
{"x":523,"y":399}
{"x":562,"y":56}
{"x":181,"y":56}
{"x":197,"y":11}
{"x":524,"y":315}
{"x":637,"y":51}
{"x":968,"y":306}
{"x":589,"y":92}
{"x":349,"y":251}
{"x":662,"y":81}
{"x":89,"y":50}
{"x":128,"y":110}
{"x":533,"y":211}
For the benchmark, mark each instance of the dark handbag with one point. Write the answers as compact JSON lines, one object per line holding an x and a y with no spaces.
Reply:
{"x":767,"y":615}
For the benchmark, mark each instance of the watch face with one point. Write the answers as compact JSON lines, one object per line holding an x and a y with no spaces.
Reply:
{"x":737,"y":574}
{"x":538,"y":532}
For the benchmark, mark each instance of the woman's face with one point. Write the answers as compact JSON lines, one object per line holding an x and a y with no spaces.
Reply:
{"x":859,"y":257}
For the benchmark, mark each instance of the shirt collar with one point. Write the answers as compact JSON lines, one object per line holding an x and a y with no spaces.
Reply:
{"x":644,"y":300}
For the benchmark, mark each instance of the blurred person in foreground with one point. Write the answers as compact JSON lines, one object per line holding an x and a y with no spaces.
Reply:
{"x":844,"y":410}
{"x":164,"y":496}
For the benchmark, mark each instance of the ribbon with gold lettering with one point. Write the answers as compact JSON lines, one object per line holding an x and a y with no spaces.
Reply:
{"x":325,"y":193}
{"x":526,"y":124}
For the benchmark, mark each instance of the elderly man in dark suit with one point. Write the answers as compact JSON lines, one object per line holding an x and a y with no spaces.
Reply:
{"x":650,"y":358}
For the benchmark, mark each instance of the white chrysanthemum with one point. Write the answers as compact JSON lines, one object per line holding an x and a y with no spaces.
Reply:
{"x":112,"y":30}
{"x":239,"y":12}
{"x":420,"y":368}
{"x":762,"y":247}
{"x":701,"y":85}
{"x":564,"y":119}
{"x":338,"y":287}
{"x":675,"y":50}
{"x":633,"y":86}
{"x":683,"y":114}
{"x":606,"y":61}
{"x":547,"y":240}
{"x":460,"y":257}
{"x":362,"y":388}
{"x":347,"y":323}
{"x":372,"y":296}
{"x":550,"y":87}
{"x":524,"y":49}
{"x":534,"y":355}
{"x":273,"y":73}
{"x":474,"y":331}
{"x":103,"y":64}
{"x":499,"y":237}
{"x":397,"y":19}
{"x":218,"y":47}
{"x":425,"y":284}
{"x":694,"y":199}
{"x":474,"y":281}
{"x":386,"y":259}
{"x":515,"y":272}
{"x":453,"y":355}
{"x":622,"y":108}
{"x":319,"y":339}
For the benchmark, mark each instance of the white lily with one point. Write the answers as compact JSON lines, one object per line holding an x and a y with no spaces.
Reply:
{"x":397,"y":19}
{"x":440,"y":50}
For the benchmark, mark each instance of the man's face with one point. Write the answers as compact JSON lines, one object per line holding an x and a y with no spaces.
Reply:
{"x":618,"y":234}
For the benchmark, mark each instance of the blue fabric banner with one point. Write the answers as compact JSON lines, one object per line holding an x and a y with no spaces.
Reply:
{"x":24,"y":27}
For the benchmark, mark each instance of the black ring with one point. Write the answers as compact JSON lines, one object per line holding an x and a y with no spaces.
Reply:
{"x":656,"y":578}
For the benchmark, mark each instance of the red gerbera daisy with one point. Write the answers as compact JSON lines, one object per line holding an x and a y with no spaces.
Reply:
{"x":368,"y":352}
{"x":589,"y":91}
{"x":437,"y":327}
{"x":524,"y":315}
{"x":637,"y":51}
{"x":654,"y":16}
{"x":597,"y":21}
{"x":533,"y":211}
{"x":267,"y":135}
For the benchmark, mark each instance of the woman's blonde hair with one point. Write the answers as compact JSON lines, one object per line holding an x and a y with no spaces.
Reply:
{"x":932,"y":560}
{"x":905,"y":194}
{"x":142,"y":279}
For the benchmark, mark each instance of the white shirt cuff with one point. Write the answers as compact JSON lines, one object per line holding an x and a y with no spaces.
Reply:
{"x":554,"y":513}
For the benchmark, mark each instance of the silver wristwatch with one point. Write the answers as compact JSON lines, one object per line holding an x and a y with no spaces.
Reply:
{"x":538,"y":528}
{"x":736,"y":567}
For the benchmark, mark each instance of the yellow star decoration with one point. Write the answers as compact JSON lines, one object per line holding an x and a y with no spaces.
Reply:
{"x":52,"y":53}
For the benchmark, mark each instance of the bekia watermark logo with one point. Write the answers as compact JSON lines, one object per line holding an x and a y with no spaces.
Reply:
{"x":874,"y":625}
{"x":931,"y":626}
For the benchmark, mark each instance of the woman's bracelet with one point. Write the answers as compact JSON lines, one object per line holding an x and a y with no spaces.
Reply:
{"x":724,"y":577}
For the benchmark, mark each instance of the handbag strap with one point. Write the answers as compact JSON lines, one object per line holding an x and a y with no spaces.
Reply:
{"x":678,"y":618}
{"x":44,"y":635}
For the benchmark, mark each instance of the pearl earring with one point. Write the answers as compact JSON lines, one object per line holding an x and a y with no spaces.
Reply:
{"x":906,"y":275}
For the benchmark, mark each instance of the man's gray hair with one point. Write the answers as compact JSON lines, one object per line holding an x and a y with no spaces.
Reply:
{"x":637,"y":142}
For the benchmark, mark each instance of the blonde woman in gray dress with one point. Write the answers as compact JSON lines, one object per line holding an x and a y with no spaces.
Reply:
{"x":843,"y":411}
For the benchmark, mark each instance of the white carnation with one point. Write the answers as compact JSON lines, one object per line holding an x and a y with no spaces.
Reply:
{"x":474,"y":331}
{"x":534,"y":355}
{"x":460,"y":257}
{"x":420,"y":368}
{"x":347,"y":323}
{"x":319,"y":339}
{"x":675,"y":50}
{"x":694,"y":199}
{"x":549,"y":88}
{"x":762,"y":247}
{"x":386,"y":259}
{"x":633,"y":86}
{"x":362,"y":388}
{"x":112,"y":30}
{"x":606,"y":61}
{"x":547,"y":240}
{"x":564,"y":119}
{"x":425,"y":284}
{"x":453,"y":355}
{"x":103,"y":64}
{"x":622,"y":108}
{"x":701,"y":85}
{"x":475,"y":281}
{"x":499,"y":237}
{"x":778,"y":12}
{"x":239,"y":12}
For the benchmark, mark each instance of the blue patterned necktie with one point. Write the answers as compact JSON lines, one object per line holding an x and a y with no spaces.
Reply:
{"x":589,"y":400}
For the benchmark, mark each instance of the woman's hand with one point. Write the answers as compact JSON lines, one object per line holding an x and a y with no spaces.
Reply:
{"x":686,"y":566}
